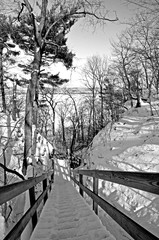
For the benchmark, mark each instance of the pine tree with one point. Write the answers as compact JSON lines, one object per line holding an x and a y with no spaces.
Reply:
{"x":43,"y":32}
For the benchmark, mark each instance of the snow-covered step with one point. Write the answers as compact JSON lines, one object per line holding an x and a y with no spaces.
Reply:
{"x":66,"y":215}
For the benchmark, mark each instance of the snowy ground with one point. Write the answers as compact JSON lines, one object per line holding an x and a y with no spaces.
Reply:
{"x":132,"y":144}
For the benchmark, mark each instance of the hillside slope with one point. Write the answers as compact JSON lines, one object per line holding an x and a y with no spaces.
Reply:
{"x":132,"y":144}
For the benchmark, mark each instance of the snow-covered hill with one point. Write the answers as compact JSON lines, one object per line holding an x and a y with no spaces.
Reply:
{"x":132,"y":144}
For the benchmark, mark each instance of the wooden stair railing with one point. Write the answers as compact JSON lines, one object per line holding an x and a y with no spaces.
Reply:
{"x":10,"y":191}
{"x":148,"y":182}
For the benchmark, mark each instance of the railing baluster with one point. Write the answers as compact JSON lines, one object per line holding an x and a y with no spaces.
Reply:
{"x":143,"y":181}
{"x":74,"y":176}
{"x":44,"y":187}
{"x":51,"y":181}
{"x":10,"y":191}
{"x":95,"y":190}
{"x":81,"y":182}
{"x":32,"y":201}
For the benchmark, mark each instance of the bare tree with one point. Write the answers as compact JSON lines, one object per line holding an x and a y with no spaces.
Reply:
{"x":91,"y":83}
{"x":62,"y":16}
{"x":95,"y":73}
{"x":148,"y":6}
{"x":122,"y":51}
{"x":137,"y":60}
{"x":41,"y":31}
{"x":146,"y":35}
{"x":48,"y":103}
{"x":63,"y":109}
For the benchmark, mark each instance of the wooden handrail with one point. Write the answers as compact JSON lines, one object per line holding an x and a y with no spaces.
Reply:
{"x":13,"y":190}
{"x":140,"y":180}
{"x":16,"y":231}
{"x":148,"y":182}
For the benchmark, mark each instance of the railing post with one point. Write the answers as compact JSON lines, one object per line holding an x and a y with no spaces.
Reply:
{"x":44,"y":187}
{"x":53,"y":165}
{"x":51,"y":180}
{"x":74,"y":176}
{"x":52,"y":177}
{"x":32,"y":201}
{"x":95,"y":190}
{"x":81,"y":182}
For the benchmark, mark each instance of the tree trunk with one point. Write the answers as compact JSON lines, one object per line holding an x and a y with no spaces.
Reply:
{"x":35,"y":122}
{"x":63,"y":132}
{"x":93,"y":110}
{"x":1,"y":78}
{"x":149,"y":97}
{"x":14,"y":107}
{"x":34,"y":146}
{"x":31,"y":108}
{"x":53,"y":122}
{"x":77,"y":118}
{"x":11,"y":142}
{"x":89,"y":127}
{"x":102,"y":115}
{"x":73,"y":141}
{"x":28,"y":128}
{"x":82,"y":129}
{"x":138,"y":104}
{"x":129,"y":84}
{"x":157,"y":82}
{"x":5,"y":183}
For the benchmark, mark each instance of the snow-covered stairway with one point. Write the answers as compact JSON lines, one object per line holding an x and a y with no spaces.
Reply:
{"x":66,"y":215}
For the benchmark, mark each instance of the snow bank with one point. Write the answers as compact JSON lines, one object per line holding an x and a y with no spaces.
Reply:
{"x":132,"y":144}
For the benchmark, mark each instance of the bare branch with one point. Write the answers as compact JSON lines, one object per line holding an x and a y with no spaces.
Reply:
{"x":12,"y":171}
{"x":22,"y":8}
{"x":43,"y":14}
{"x":77,"y":14}
{"x":146,"y":5}
{"x":9,"y":138}
{"x":84,"y":13}
{"x":52,"y":43}
{"x":49,"y":29}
